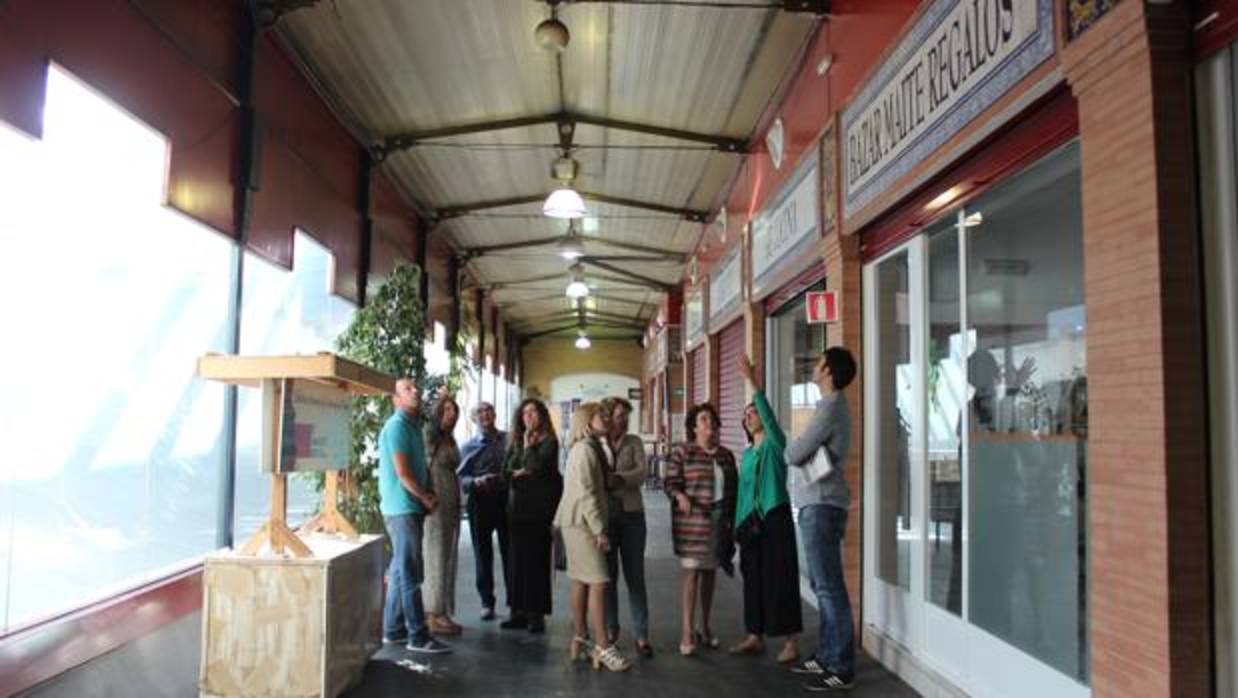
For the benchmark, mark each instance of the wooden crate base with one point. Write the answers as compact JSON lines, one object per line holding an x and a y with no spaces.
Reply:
{"x":291,"y":627}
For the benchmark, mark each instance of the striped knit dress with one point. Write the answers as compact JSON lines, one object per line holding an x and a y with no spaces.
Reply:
{"x":698,"y":534}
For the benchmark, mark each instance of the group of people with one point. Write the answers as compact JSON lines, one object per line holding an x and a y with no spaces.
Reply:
{"x":512,"y":488}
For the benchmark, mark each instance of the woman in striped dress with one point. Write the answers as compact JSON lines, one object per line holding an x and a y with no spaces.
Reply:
{"x":701,"y":481}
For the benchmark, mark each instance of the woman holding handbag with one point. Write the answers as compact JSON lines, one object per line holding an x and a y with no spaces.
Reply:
{"x":581,"y":518}
{"x":700,"y":480}
{"x":766,"y":533}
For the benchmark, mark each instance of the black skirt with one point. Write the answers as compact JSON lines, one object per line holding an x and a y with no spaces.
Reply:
{"x":770,"y":566}
{"x":530,"y":567}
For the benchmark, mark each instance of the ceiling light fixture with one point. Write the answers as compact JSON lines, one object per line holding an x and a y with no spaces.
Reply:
{"x":577,"y":288}
{"x":552,"y":35}
{"x":973,"y":220}
{"x":564,"y":202}
{"x":571,"y":247}
{"x":824,"y":66}
{"x":582,"y":342}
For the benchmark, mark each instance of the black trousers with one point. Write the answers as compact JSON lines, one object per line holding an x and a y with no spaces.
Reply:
{"x":530,"y":567}
{"x":488,"y":516}
{"x":770,"y":566}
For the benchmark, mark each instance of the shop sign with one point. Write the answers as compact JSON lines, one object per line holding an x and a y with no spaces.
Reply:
{"x":821,"y":307}
{"x":959,"y":58}
{"x":725,"y":284}
{"x":787,"y":229}
{"x":668,"y":347}
{"x":694,"y":316}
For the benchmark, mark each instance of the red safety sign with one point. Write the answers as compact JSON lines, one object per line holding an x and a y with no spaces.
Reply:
{"x":822,"y":306}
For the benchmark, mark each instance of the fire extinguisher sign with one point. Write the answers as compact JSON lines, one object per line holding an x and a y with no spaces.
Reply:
{"x":822,"y":307}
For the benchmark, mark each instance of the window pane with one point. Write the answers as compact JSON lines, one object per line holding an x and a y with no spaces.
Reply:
{"x":946,"y":386}
{"x":1027,"y":422}
{"x":113,"y":448}
{"x":282,"y":312}
{"x":896,"y":418}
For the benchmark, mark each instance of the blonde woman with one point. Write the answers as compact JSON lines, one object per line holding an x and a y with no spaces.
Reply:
{"x":443,"y":524}
{"x":582,"y":516}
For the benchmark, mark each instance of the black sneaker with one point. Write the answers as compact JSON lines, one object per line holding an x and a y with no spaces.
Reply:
{"x":395,"y":639}
{"x":537,"y":625}
{"x":808,"y":666}
{"x":428,"y":646}
{"x":829,"y":681}
{"x":487,"y":613}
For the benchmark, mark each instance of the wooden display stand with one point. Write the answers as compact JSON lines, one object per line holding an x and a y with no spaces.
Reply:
{"x":268,"y":372}
{"x":303,"y":619}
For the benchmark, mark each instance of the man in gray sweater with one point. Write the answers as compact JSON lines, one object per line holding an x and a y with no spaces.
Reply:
{"x":823,"y":521}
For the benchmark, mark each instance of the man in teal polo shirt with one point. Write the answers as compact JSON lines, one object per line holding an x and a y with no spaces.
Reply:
{"x":405,"y":499}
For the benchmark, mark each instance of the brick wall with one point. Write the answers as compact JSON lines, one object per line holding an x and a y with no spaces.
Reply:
{"x":841,"y":254}
{"x":1147,"y":497}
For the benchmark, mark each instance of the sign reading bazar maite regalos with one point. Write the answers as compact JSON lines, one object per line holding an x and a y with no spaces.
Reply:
{"x":959,"y":58}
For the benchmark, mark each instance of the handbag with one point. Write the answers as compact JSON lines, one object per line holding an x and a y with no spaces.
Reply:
{"x":750,"y":529}
{"x":820,"y":466}
{"x":559,"y":550}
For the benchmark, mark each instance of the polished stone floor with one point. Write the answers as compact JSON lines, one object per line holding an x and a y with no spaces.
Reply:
{"x":493,"y":663}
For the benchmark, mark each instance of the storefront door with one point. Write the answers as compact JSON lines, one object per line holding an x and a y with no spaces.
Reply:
{"x":976,"y":440}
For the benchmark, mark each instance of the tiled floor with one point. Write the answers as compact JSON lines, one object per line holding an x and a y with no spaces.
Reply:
{"x":493,"y":663}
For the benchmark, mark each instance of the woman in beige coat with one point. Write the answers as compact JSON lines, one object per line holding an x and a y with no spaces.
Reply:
{"x":581,"y":517}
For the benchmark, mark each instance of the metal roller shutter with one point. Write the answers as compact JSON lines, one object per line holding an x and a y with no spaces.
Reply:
{"x":731,"y":387}
{"x":700,"y":375}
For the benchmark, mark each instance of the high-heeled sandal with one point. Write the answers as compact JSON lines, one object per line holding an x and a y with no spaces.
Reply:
{"x":609,"y":658}
{"x":710,"y":641}
{"x":687,"y":650}
{"x":578,"y":648}
{"x":746,"y":647}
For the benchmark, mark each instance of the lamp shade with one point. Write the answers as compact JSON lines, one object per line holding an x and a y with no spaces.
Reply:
{"x":577,"y":289}
{"x":564,"y":203}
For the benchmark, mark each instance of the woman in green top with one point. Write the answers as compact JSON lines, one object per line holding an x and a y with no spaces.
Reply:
{"x":767,"y":553}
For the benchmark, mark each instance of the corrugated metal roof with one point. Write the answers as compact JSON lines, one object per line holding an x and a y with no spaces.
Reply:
{"x":395,"y":67}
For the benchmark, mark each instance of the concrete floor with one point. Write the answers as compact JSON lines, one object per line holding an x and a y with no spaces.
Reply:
{"x":493,"y":663}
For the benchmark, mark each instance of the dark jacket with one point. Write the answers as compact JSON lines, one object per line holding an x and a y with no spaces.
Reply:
{"x":534,"y":498}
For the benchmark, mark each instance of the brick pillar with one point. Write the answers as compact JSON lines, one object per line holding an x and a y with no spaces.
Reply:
{"x":1149,"y":616}
{"x":843,"y":274}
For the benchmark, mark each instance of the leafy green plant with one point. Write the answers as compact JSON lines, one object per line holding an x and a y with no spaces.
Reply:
{"x":388,"y":334}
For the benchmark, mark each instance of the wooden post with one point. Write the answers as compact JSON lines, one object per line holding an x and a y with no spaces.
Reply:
{"x":330,"y":519}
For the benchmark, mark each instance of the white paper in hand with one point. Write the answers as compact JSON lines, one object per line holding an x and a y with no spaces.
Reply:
{"x":819,"y":467}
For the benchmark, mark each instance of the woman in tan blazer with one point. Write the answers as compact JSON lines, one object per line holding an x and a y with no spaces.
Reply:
{"x":581,"y":517}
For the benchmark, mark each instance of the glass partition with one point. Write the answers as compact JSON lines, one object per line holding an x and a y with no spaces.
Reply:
{"x":113,"y":448}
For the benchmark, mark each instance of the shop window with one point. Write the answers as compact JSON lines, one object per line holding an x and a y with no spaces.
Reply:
{"x":282,"y":312}
{"x":794,"y":347}
{"x":892,"y":377}
{"x":113,"y":448}
{"x":1027,"y":422}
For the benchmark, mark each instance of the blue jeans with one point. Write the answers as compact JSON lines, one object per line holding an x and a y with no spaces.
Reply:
{"x":822,"y":527}
{"x":626,"y":530}
{"x":402,"y":609}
